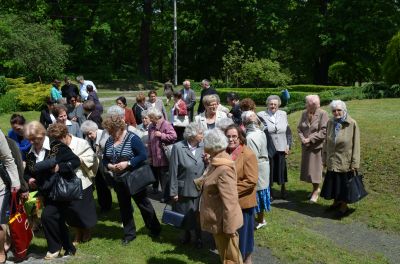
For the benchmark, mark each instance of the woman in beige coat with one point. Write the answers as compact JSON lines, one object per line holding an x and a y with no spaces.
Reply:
{"x":312,"y":132}
{"x":220,"y":212}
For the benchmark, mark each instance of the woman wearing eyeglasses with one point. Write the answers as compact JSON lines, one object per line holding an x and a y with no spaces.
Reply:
{"x":341,"y":156}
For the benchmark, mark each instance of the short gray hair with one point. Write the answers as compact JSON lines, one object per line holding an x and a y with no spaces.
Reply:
{"x":206,"y":82}
{"x":186,"y":82}
{"x":314,"y":99}
{"x":224,"y":123}
{"x":274,"y":97}
{"x":335,"y":104}
{"x":210,"y":98}
{"x":215,"y":140}
{"x":192,"y":130}
{"x":116,"y":111}
{"x":154,"y":112}
{"x":89,"y":126}
{"x":79,"y":78}
{"x":144,"y":113}
{"x":249,"y":117}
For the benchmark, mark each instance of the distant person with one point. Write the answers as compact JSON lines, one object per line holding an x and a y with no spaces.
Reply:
{"x":129,"y":117}
{"x":46,"y":116}
{"x":143,"y":128}
{"x":189,"y":96}
{"x":312,"y":132}
{"x":341,"y":156}
{"x":156,"y":103}
{"x":92,"y":95}
{"x":235,"y":113}
{"x":276,"y":124}
{"x":16,"y":133}
{"x":138,"y":107}
{"x":179,"y":111}
{"x":247,"y":104}
{"x":168,"y":90}
{"x":75,"y":110}
{"x":60,"y":113}
{"x":207,"y":90}
{"x":55,"y":92}
{"x":91,"y":113}
{"x":69,"y":89}
{"x":83,"y":87}
{"x":210,"y":118}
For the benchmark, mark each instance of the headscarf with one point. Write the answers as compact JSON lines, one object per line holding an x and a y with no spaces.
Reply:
{"x":339,"y":123}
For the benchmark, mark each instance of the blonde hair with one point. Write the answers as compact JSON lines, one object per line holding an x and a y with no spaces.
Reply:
{"x":34,"y":129}
{"x":313,"y":99}
{"x":114,"y":124}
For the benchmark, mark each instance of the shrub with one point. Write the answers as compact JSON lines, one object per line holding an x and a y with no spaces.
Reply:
{"x":3,"y":85}
{"x":8,"y":102}
{"x":391,"y":65}
{"x":340,"y":73}
{"x":375,"y":90}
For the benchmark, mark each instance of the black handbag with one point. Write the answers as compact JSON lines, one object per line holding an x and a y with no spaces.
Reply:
{"x":66,"y":190}
{"x":172,"y":218}
{"x":355,"y":187}
{"x":137,"y":179}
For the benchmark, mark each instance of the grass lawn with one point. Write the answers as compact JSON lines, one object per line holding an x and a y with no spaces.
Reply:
{"x":292,"y":233}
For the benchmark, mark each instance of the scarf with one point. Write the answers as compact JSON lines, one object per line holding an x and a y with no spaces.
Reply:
{"x":338,"y":124}
{"x":236,"y":152}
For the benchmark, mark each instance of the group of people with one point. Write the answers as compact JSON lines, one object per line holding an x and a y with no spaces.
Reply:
{"x":215,"y":168}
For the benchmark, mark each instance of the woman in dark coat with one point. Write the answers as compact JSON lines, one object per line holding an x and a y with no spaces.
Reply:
{"x":186,"y":165}
{"x":43,"y":161}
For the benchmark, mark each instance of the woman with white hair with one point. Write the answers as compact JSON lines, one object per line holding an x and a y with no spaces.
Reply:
{"x":277,"y":126}
{"x":341,"y":156}
{"x":97,"y":140}
{"x":186,"y":165}
{"x":257,"y":142}
{"x":161,"y":132}
{"x":312,"y":132}
{"x":220,"y":212}
{"x":210,"y":118}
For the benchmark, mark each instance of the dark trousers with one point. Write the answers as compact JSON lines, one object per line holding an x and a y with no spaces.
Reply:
{"x":126,"y":211}
{"x":54,"y":226}
{"x":161,"y":175}
{"x":190,"y":113}
{"x":104,"y":197}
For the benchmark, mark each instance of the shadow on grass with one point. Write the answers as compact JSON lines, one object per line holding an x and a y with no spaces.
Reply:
{"x":297,"y":201}
{"x":154,"y":260}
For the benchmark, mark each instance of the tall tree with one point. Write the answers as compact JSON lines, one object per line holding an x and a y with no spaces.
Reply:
{"x":144,"y":41}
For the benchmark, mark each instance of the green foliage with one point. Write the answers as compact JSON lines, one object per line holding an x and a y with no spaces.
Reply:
{"x":27,"y":96}
{"x":264,"y":72}
{"x":381,"y":90}
{"x":8,"y":102}
{"x":3,"y":85}
{"x":340,"y":73}
{"x":31,"y":49}
{"x":391,"y":65}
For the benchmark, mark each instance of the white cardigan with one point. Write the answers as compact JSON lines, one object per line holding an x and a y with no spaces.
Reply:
{"x":201,"y":119}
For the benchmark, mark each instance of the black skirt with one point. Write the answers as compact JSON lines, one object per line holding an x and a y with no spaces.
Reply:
{"x":278,"y":168}
{"x":188,"y":206}
{"x":336,"y":186}
{"x":82,"y":213}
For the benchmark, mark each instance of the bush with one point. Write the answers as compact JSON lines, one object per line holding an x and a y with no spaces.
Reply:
{"x":391,"y":65}
{"x":3,"y":85}
{"x":8,"y":102}
{"x":340,"y":73}
{"x":375,"y":90}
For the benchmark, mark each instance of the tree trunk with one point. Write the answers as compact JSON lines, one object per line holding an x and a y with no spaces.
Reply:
{"x":321,"y":63}
{"x":144,"y":42}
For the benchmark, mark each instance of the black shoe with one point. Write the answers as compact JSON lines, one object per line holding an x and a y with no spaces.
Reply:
{"x":126,"y":241}
{"x":70,"y":252}
{"x":186,"y":238}
{"x":339,"y":215}
{"x":155,"y":234}
{"x":332,"y":207}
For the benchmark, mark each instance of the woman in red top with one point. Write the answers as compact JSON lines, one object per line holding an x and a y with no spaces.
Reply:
{"x":129,"y":117}
{"x":180,"y":115}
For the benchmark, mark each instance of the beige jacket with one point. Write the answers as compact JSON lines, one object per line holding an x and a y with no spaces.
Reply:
{"x":344,"y":154}
{"x":220,"y":211}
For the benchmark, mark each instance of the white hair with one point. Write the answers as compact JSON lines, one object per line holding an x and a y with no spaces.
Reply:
{"x":338,"y":104}
{"x":274,"y":97}
{"x":89,"y":126}
{"x":116,"y":110}
{"x":144,"y":113}
{"x":215,"y":140}
{"x":192,"y":130}
{"x":154,"y":112}
{"x":249,"y":117}
{"x":206,"y":83}
{"x":313,"y":99}
{"x":187,"y":82}
{"x":224,"y":123}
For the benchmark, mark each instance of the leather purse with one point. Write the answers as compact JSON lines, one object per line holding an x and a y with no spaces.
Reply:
{"x":66,"y":190}
{"x":172,"y":218}
{"x":355,"y":187}
{"x":137,"y":179}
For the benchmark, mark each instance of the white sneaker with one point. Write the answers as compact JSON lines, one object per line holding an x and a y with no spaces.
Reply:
{"x":260,"y":225}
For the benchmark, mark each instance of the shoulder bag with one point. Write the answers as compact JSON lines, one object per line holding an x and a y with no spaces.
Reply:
{"x":138,"y":179}
{"x":66,"y":189}
{"x":172,"y":218}
{"x":355,"y":187}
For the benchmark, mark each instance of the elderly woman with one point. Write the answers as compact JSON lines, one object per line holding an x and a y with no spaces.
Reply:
{"x":125,"y":151}
{"x":60,"y":113}
{"x":7,"y":161}
{"x":91,"y":113}
{"x":220,"y":212}
{"x":312,"y":133}
{"x":160,"y":132}
{"x":54,"y":213}
{"x":129,"y":117}
{"x":143,"y":128}
{"x":75,"y":110}
{"x":247,"y":176}
{"x":82,"y":212}
{"x":156,"y":103}
{"x":138,"y":107}
{"x":257,"y":142}
{"x":341,"y":156}
{"x":186,"y":165}
{"x":97,"y":140}
{"x":277,"y":126}
{"x":16,"y":133}
{"x":179,"y":111}
{"x":210,"y":118}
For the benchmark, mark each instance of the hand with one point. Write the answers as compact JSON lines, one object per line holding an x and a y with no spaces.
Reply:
{"x":25,"y":195}
{"x":287,"y":151}
{"x":157,"y":134}
{"x":206,"y":158}
{"x":175,"y":198}
{"x":121,"y":166}
{"x":32,"y":183}
{"x":111,"y":167}
{"x":15,"y":189}
{"x":305,"y":141}
{"x":56,"y":169}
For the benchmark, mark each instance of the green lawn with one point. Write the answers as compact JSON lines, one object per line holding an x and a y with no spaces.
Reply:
{"x":290,"y":234}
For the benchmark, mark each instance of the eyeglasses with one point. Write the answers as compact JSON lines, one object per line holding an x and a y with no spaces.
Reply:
{"x":232,"y":137}
{"x":336,"y":110}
